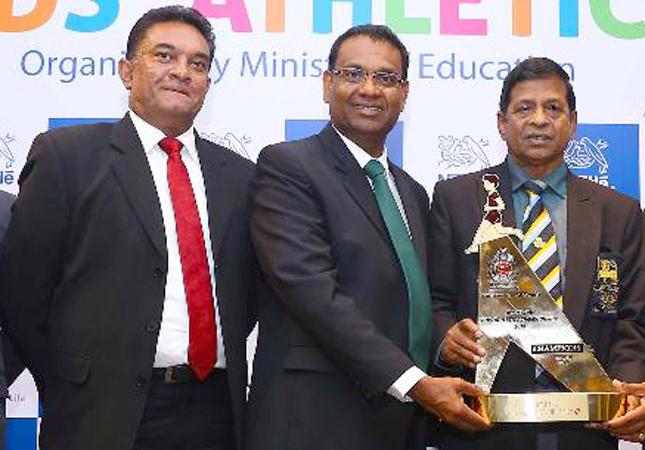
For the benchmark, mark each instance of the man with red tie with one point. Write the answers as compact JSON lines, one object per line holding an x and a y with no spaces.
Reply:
{"x":128,"y":273}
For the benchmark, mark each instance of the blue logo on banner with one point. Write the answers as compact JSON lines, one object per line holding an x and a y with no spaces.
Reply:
{"x":608,"y":155}
{"x":298,"y":129}
{"x":7,"y":160}
{"x":21,"y":434}
{"x":56,"y":122}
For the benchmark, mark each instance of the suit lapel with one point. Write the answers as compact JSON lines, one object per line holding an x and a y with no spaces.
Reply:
{"x":133,"y":174}
{"x":583,"y":236}
{"x":412,"y":213}
{"x":354,"y":178}
{"x":505,"y":190}
{"x":221,"y":190}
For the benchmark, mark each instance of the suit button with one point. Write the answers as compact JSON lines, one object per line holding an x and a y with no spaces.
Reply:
{"x":152,"y":326}
{"x":141,"y":381}
{"x":157,"y":272}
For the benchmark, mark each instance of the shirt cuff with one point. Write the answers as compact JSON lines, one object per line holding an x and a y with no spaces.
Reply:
{"x":400,"y":388}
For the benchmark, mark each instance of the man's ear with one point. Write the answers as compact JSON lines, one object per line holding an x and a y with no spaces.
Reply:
{"x":125,"y":72}
{"x":574,"y":123}
{"x":501,"y":125}
{"x":406,"y":89}
{"x":327,"y":81}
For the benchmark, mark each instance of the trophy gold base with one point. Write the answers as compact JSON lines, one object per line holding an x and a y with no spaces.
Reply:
{"x":545,"y":407}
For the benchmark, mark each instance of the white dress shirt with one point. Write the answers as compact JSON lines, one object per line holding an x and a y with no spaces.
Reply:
{"x":172,"y":343}
{"x":400,"y":388}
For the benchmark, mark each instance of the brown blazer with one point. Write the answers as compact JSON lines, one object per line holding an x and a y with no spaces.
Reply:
{"x":599,"y":221}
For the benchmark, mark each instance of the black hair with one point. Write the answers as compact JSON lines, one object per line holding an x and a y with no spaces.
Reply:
{"x":376,"y":33}
{"x":172,"y":13}
{"x":535,"y":69}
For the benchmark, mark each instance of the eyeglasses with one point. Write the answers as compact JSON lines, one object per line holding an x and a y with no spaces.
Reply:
{"x":355,"y":75}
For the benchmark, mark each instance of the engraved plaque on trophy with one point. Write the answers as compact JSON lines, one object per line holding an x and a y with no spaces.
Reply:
{"x":514,"y":307}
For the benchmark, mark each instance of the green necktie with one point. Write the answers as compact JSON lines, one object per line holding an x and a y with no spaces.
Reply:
{"x":415,"y":279}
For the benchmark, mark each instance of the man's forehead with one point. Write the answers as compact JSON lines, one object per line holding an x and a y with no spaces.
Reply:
{"x":535,"y":88}
{"x":169,"y":34}
{"x":363,"y":48}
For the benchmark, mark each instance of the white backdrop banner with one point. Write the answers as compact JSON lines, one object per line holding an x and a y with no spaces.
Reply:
{"x":59,"y":67}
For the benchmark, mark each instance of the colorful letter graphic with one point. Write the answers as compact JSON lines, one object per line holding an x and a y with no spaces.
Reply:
{"x":451,"y":23}
{"x":395,"y":19}
{"x":569,"y":16}
{"x":108,"y":11}
{"x":275,"y":16}
{"x":105,"y":16}
{"x":235,"y":10}
{"x":522,"y":17}
{"x":41,"y":13}
{"x":361,"y":13}
{"x":602,"y":14}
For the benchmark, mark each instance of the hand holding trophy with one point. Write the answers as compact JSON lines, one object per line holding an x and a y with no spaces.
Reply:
{"x":516,"y":307}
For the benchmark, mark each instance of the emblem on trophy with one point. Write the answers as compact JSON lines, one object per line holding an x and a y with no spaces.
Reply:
{"x":515,"y":308}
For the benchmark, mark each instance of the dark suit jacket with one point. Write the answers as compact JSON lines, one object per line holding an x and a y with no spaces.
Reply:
{"x":10,"y":365}
{"x":84,"y":273}
{"x":335,"y":340}
{"x":6,"y":200}
{"x":599,"y":220}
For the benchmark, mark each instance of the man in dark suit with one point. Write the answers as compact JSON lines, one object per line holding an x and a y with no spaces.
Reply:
{"x":340,"y":235}
{"x":128,"y":265}
{"x":6,"y":200}
{"x":591,"y":224}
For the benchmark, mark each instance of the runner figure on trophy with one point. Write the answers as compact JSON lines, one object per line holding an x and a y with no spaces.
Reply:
{"x":491,"y":227}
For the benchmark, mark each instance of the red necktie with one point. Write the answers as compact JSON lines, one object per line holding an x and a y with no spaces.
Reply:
{"x":202,"y":346}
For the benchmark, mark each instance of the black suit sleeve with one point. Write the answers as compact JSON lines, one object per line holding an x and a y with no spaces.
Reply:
{"x":30,"y":268}
{"x":12,"y":363}
{"x":12,"y":366}
{"x":444,"y":272}
{"x":294,"y":248}
{"x":628,"y":342}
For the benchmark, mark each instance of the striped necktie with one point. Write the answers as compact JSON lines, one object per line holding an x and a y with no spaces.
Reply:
{"x":539,"y":245}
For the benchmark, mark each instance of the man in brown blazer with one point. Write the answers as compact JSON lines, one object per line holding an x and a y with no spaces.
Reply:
{"x":537,"y":118}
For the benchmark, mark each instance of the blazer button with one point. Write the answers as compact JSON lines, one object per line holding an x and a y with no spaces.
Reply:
{"x":141,"y":381}
{"x":152,"y":326}
{"x":157,"y":272}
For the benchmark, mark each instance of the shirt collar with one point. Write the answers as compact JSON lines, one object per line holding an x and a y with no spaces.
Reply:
{"x":150,"y":136}
{"x":556,"y":179}
{"x":360,"y":155}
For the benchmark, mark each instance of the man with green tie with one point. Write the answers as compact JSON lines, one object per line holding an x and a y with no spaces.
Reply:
{"x":341,"y":236}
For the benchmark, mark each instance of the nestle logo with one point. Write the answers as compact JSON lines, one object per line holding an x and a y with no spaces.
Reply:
{"x":556,"y":348}
{"x":607,"y":154}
